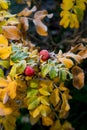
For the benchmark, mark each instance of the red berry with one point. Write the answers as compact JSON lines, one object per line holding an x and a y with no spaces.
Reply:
{"x":44,"y":55}
{"x":29,"y":71}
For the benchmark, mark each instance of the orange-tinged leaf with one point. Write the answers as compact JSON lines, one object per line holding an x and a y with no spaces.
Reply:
{"x":78,"y":47}
{"x":12,"y":89}
{"x":3,"y":40}
{"x":83,"y":53}
{"x":4,"y":110}
{"x":47,"y":121}
{"x":3,"y":83}
{"x":78,"y":77}
{"x":54,"y":97}
{"x":11,"y":32}
{"x":40,"y":27}
{"x":26,"y":12}
{"x":5,"y":52}
{"x":40,"y":14}
{"x":67,"y":62}
{"x":24,"y":24}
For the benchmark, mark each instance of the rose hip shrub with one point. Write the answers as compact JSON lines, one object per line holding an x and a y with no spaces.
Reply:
{"x":35,"y":79}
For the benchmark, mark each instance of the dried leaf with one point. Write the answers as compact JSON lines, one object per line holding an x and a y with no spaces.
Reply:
{"x":11,"y":32}
{"x":78,"y":77}
{"x":24,"y":24}
{"x":6,"y":98}
{"x":83,"y":53}
{"x":40,"y":27}
{"x":78,"y":47}
{"x":26,"y":12}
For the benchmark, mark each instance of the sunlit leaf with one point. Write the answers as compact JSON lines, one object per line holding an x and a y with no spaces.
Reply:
{"x":12,"y":89}
{"x":5,"y":52}
{"x":3,"y":40}
{"x":67,"y":62}
{"x":45,"y":110}
{"x":24,"y":24}
{"x":53,"y":73}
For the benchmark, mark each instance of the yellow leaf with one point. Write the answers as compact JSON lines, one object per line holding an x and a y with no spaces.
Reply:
{"x":12,"y":89}
{"x":3,"y":83}
{"x":4,"y":110}
{"x":4,"y":4}
{"x":47,"y":121}
{"x":67,"y":126}
{"x":67,"y":5}
{"x":5,"y":52}
{"x":44,"y":91}
{"x":54,"y":97}
{"x":3,"y":40}
{"x":44,"y":100}
{"x":67,"y":62}
{"x":45,"y":110}
{"x":78,"y":77}
{"x":36,"y":112}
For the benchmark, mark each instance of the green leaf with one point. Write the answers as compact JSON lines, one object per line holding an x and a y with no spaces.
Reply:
{"x":18,"y":68}
{"x":18,"y":56}
{"x":45,"y":70}
{"x":79,"y":12}
{"x":53,"y":73}
{"x":33,"y":102}
{"x":5,"y":63}
{"x":32,"y":92}
{"x":1,"y":73}
{"x":62,"y":75}
{"x":34,"y":83}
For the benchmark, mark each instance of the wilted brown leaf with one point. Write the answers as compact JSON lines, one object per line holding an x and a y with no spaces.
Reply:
{"x":83,"y":53}
{"x":78,"y":77}
{"x":40,"y":27}
{"x":26,"y":12}
{"x":47,"y":121}
{"x":77,"y":48}
{"x":11,"y":32}
{"x":24,"y":23}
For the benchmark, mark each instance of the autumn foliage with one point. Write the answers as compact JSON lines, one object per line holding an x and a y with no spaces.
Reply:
{"x":35,"y":79}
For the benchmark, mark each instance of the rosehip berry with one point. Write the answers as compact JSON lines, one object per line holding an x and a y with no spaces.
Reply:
{"x":29,"y":71}
{"x":44,"y":55}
